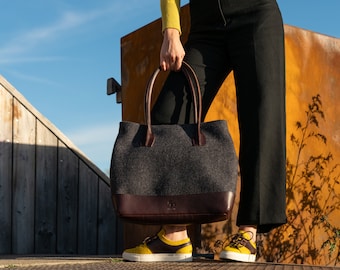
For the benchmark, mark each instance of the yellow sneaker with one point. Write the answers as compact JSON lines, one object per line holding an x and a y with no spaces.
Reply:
{"x":240,"y":248}
{"x":160,"y":249}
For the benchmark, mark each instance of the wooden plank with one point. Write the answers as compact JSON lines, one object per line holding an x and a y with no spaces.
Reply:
{"x":23,"y":179}
{"x":90,"y":263}
{"x":110,"y":234}
{"x":88,"y":209}
{"x":6,"y":125}
{"x":67,"y":214}
{"x":46,"y":191}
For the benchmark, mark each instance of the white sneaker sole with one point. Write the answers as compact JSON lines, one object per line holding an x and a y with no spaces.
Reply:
{"x":234,"y":256}
{"x":161,"y":257}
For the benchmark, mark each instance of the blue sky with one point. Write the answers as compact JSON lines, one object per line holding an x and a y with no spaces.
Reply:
{"x":59,"y":53}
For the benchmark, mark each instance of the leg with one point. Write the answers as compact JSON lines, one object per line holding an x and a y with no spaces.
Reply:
{"x":174,"y":106}
{"x":260,"y":82}
{"x":257,"y":55}
{"x":175,"y":232}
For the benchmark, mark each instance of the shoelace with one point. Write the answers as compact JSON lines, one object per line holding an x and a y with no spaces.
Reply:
{"x":235,"y":240}
{"x":149,"y":239}
{"x":239,"y":240}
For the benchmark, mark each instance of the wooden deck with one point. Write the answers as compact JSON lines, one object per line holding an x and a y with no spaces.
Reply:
{"x":103,"y":263}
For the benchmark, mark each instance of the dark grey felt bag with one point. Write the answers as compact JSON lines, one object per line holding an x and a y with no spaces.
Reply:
{"x":174,"y":174}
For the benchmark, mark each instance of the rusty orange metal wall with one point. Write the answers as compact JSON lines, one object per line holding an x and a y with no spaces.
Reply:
{"x":312,"y":70}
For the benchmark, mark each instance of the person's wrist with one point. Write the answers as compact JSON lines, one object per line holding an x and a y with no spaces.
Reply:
{"x":171,"y":33}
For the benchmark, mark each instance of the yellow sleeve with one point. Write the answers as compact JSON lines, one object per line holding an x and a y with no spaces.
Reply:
{"x":171,"y":14}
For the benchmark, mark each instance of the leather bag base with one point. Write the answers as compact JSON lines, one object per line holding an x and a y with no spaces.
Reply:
{"x":173,"y":209}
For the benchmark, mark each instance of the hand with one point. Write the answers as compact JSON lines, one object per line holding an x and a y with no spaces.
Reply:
{"x":172,"y":51}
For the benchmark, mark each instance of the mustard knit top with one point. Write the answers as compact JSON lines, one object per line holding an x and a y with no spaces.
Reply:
{"x":170,"y":14}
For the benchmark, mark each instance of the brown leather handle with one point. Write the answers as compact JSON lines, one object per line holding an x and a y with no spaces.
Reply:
{"x":197,"y":97}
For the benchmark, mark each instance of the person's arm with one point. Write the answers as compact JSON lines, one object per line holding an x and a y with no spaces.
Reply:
{"x":172,"y":51}
{"x":171,"y":14}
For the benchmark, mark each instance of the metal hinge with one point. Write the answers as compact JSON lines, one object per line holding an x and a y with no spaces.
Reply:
{"x":113,"y":87}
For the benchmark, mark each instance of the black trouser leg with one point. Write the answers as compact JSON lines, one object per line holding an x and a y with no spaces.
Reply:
{"x":257,"y":56}
{"x":252,"y":44}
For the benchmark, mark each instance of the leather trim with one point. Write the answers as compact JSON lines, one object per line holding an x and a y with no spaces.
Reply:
{"x":179,"y":209}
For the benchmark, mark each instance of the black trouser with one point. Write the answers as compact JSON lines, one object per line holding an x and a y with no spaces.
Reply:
{"x":250,"y":42}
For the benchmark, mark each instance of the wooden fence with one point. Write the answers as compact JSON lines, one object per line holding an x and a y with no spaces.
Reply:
{"x":53,"y":200}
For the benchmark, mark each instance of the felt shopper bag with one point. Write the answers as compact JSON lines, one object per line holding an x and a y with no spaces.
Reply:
{"x":174,"y":174}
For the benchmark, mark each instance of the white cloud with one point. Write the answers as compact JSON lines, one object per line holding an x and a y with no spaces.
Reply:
{"x":96,"y":142}
{"x":30,"y":78}
{"x":40,"y":36}
{"x":33,"y":39}
{"x":13,"y":60}
{"x":93,"y":135}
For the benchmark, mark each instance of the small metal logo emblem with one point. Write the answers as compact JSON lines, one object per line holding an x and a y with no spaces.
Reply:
{"x":171,"y":205}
